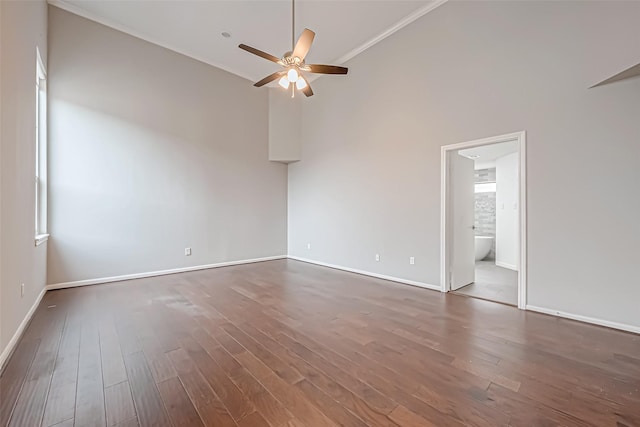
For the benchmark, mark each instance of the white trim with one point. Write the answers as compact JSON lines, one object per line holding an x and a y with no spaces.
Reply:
{"x":505,"y":265}
{"x":157,"y":273}
{"x":72,"y":8}
{"x":522,"y":260}
{"x":41,"y":145}
{"x":586,"y":319}
{"x":444,"y":256}
{"x":444,"y":200}
{"x":484,"y":141}
{"x":389,"y":31}
{"x":368,"y":273}
{"x":8,"y":350}
{"x":41,"y":238}
{"x":42,"y":69}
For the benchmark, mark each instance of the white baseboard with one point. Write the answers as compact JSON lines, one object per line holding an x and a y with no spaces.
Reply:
{"x":8,"y":350}
{"x":586,"y":319}
{"x":368,"y":273}
{"x":505,"y":265}
{"x":157,"y":273}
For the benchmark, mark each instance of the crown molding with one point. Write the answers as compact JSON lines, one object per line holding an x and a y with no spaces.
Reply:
{"x":389,"y":31}
{"x":72,"y":8}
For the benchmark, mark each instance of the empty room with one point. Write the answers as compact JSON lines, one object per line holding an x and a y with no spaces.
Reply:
{"x":319,"y":213}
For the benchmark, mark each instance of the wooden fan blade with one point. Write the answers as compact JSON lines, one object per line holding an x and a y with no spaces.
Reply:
{"x":307,"y":90}
{"x":327,"y":69}
{"x":269,"y":78}
{"x":260,"y":53}
{"x":304,"y":44}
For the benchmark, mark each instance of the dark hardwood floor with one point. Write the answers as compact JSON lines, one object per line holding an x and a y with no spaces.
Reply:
{"x":284,"y":343}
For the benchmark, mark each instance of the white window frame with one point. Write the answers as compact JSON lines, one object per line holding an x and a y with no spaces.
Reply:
{"x":41,"y":234}
{"x":485,"y":187}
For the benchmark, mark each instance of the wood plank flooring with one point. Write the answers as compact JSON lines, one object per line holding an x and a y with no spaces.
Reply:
{"x":284,"y":343}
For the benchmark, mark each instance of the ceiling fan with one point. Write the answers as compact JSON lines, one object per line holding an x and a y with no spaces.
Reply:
{"x":293,"y":62}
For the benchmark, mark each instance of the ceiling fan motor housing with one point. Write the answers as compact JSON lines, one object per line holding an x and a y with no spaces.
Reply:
{"x":293,"y":62}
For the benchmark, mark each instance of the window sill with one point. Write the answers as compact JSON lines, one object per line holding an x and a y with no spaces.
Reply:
{"x":41,"y":238}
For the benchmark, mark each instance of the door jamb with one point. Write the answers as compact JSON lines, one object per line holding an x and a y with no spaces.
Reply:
{"x":445,"y":232}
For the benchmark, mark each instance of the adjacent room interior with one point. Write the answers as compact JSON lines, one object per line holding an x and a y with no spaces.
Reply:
{"x":248,"y":213}
{"x":496,"y":222}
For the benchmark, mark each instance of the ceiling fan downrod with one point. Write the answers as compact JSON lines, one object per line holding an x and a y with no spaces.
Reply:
{"x":293,"y":39}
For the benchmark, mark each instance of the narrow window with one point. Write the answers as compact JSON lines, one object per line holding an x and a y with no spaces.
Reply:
{"x":41,"y":151}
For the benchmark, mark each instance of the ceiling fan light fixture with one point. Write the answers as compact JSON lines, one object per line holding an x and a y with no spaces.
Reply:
{"x":284,"y":82}
{"x":292,"y":75}
{"x":293,"y":61}
{"x":301,"y":84}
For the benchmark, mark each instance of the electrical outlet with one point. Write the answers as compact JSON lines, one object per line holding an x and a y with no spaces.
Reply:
{"x":308,"y":245}
{"x":187,"y":251}
{"x":412,"y":260}
{"x":21,"y":290}
{"x":377,"y":257}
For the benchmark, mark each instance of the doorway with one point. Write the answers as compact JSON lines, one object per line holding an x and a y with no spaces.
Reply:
{"x":483,"y":219}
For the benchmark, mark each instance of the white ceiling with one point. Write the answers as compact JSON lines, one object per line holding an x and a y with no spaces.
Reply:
{"x":487,"y":154}
{"x":193,"y":27}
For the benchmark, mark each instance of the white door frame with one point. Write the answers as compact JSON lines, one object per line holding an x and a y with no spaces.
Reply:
{"x":445,"y":222}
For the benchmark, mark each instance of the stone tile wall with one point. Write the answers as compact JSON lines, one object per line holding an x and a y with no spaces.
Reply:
{"x":485,"y":212}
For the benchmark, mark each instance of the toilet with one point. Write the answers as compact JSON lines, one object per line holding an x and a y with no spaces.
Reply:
{"x":483,"y":246}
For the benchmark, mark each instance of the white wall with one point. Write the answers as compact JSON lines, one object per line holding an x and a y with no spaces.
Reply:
{"x":2,"y":344}
{"x":369,"y":179}
{"x":152,"y":152}
{"x":507,"y":211}
{"x":284,"y":126}
{"x":23,"y":26}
